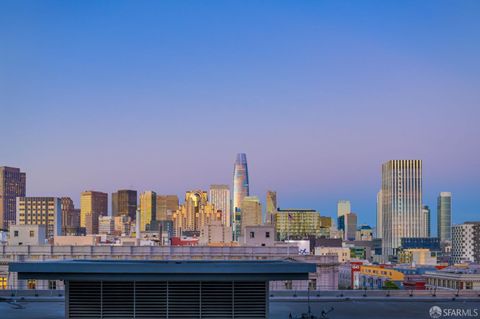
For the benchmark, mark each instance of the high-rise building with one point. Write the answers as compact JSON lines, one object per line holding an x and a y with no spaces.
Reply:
{"x":45,"y":211}
{"x":240,"y":190}
{"x":251,"y":212}
{"x":378,"y":230}
{"x":148,"y":210}
{"x":195,"y":213}
{"x":444,"y":216}
{"x":219,"y":196}
{"x":466,"y":243}
{"x":402,"y":206}
{"x":347,"y":223}
{"x":271,"y":206}
{"x":68,"y":210}
{"x":166,"y":206}
{"x":124,"y":202}
{"x":427,"y":218}
{"x":300,"y":224}
{"x":92,"y":222}
{"x":343,"y":207}
{"x":93,"y":202}
{"x":12,"y":185}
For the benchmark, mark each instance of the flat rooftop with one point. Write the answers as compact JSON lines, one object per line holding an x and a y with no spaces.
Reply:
{"x":178,"y":270}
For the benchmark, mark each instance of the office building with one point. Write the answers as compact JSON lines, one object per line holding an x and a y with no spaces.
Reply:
{"x":69,"y":218}
{"x":215,"y":233}
{"x":148,"y":210}
{"x":343,"y":207}
{"x":219,"y":196}
{"x":364,"y":233}
{"x":444,"y":216}
{"x":106,"y":225}
{"x":347,"y":223}
{"x":166,"y":206}
{"x":466,"y":243}
{"x":402,"y":206}
{"x":241,"y":189}
{"x":45,"y":211}
{"x":12,"y":185}
{"x":430,"y":243}
{"x":124,"y":202}
{"x":92,"y":223}
{"x":251,"y":213}
{"x":123,"y":225}
{"x":271,"y":207}
{"x":299,"y":224}
{"x":427,"y":220}
{"x":195,"y":213}
{"x":92,"y":202}
{"x":378,"y":229}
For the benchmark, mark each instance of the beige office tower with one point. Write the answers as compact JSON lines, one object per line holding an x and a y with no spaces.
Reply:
{"x":343,"y":208}
{"x":402,"y":209}
{"x":45,"y":211}
{"x":12,"y":185}
{"x":195,"y":213}
{"x":271,"y":207}
{"x":219,"y":196}
{"x":148,"y":209}
{"x":251,"y":213}
{"x":166,"y":206}
{"x":93,"y":202}
{"x":378,"y":230}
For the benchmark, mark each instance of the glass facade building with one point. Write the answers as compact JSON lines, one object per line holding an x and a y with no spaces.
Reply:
{"x":240,"y":190}
{"x":444,"y":216}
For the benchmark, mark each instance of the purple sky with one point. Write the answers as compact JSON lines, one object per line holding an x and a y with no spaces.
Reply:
{"x":162,"y":96}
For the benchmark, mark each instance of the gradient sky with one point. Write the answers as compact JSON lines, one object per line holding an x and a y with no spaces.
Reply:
{"x":162,"y":95}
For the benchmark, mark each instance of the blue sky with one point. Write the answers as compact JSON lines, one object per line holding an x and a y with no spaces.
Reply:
{"x":162,"y":95}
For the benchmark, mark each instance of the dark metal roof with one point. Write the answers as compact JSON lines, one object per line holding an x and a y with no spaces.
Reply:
{"x":163,"y":270}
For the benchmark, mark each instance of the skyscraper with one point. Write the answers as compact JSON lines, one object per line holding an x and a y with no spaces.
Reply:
{"x":402,"y":208}
{"x":444,"y":216}
{"x":148,"y":209}
{"x":251,"y":213}
{"x":343,"y":207}
{"x":195,"y":213}
{"x":12,"y":185}
{"x":426,"y":216}
{"x":93,"y":203}
{"x":124,"y":202}
{"x":45,"y":211}
{"x":166,"y":206}
{"x":378,"y":229}
{"x":271,"y":207}
{"x":240,"y":190}
{"x":348,"y":224}
{"x":219,"y":196}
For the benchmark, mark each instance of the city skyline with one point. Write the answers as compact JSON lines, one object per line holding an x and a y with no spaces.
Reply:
{"x":160,"y":96}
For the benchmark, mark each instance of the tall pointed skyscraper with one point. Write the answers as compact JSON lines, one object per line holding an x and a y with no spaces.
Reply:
{"x":240,"y":189}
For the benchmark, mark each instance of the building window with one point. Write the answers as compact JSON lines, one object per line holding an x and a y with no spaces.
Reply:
{"x":267,"y":234}
{"x":52,"y":284}
{"x":252,"y":234}
{"x":32,"y":233}
{"x":15,"y":233}
{"x":31,"y":284}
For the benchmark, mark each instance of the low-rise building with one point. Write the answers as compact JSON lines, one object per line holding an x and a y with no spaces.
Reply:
{"x":215,"y":232}
{"x":418,"y":256}
{"x":376,"y":277}
{"x":259,"y":236}
{"x":343,"y":253}
{"x":27,"y":235}
{"x":457,"y":277}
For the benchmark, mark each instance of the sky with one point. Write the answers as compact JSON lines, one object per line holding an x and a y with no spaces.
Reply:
{"x":161,"y":95}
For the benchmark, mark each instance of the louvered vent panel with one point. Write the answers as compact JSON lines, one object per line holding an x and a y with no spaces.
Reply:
{"x":217,"y":299}
{"x":84,"y":299}
{"x":184,"y":299}
{"x":117,"y":299}
{"x":150,"y":299}
{"x":249,"y":300}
